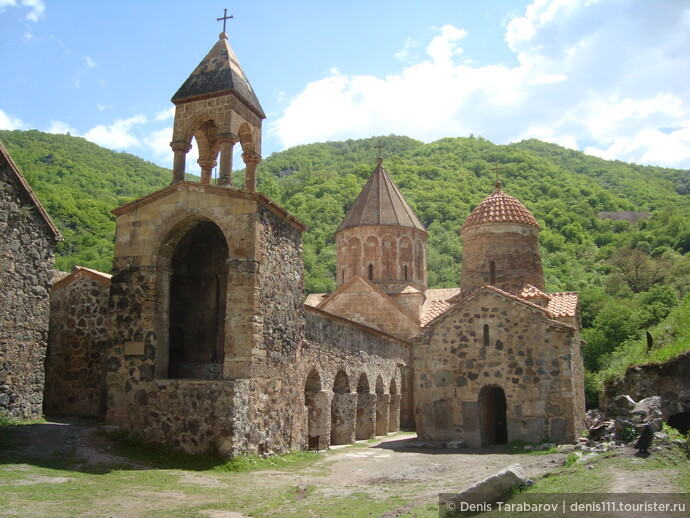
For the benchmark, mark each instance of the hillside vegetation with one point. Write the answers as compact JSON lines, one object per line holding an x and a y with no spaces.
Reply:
{"x":630,"y":277}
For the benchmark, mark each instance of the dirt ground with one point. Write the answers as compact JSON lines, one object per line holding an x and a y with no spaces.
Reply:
{"x":376,"y":469}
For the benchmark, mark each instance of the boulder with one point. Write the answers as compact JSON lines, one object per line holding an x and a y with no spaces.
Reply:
{"x":621,"y":405}
{"x":492,"y":487}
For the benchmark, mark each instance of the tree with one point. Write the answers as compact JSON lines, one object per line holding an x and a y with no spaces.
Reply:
{"x":637,"y":269}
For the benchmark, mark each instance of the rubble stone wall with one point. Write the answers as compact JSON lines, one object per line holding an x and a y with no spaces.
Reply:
{"x":26,"y":266}
{"x":529,"y":357}
{"x":669,"y":380}
{"x":77,"y":343}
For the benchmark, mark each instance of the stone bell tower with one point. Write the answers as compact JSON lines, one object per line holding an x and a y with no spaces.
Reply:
{"x":217,"y":106}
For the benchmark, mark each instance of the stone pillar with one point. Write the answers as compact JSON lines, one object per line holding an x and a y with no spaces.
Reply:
{"x":382,"y":410}
{"x":366,"y":417}
{"x":318,"y":415}
{"x":225,"y":171}
{"x":251,"y":160}
{"x":343,"y":410}
{"x":206,"y":168}
{"x":180,"y":149}
{"x":394,"y":413}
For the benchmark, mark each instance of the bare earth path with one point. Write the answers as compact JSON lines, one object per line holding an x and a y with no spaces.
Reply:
{"x":387,"y":470}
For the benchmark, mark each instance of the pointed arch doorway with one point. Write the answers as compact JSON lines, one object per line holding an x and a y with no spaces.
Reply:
{"x":494,"y":422}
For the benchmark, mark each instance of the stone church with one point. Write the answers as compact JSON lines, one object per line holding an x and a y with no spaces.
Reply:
{"x":209,"y":343}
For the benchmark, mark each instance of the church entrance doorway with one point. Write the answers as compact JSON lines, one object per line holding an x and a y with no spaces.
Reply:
{"x":493,"y":406}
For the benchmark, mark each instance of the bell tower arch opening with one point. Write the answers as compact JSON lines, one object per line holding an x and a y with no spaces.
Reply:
{"x":198,"y":288}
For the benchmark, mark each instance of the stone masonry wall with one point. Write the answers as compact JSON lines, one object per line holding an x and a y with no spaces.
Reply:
{"x":271,"y":421}
{"x":512,"y":248}
{"x":26,"y":265}
{"x":359,"y":302}
{"x":77,"y":342}
{"x":333,"y":345}
{"x":527,"y":355}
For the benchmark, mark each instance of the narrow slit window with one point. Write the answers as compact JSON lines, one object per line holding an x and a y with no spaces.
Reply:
{"x":371,"y":272}
{"x":486,"y":335}
{"x":405,"y":271}
{"x":492,"y":273}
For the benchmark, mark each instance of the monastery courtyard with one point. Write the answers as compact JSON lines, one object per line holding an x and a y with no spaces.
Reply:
{"x":58,"y":469}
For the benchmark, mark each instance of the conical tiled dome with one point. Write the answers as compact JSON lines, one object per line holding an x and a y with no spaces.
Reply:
{"x":499,"y":208}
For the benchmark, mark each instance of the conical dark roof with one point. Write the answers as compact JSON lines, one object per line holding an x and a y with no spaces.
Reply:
{"x":219,"y":73}
{"x":380,"y":203}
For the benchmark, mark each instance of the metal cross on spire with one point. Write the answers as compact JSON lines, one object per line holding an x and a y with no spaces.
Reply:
{"x":497,"y":185}
{"x":224,"y":18}
{"x":496,"y":169}
{"x":379,"y":147}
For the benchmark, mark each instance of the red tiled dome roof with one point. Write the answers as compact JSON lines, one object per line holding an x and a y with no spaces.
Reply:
{"x":500,"y":208}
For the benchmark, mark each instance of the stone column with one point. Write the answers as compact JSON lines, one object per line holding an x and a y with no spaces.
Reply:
{"x":206,"y":168}
{"x":343,"y":409}
{"x":180,"y":149}
{"x":366,"y":417}
{"x":382,"y":410}
{"x":227,"y":146}
{"x":251,"y":160}
{"x":394,"y":413}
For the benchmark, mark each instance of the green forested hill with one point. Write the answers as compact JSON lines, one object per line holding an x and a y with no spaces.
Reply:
{"x":79,"y":183}
{"x":629,"y":276}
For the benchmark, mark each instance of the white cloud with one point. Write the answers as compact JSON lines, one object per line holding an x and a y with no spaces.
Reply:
{"x":7,"y":121}
{"x":159,"y":143}
{"x":89,"y":63}
{"x":605,"y":72}
{"x":37,"y":8}
{"x":61,"y":128}
{"x":118,"y":135}
{"x":165,"y":115}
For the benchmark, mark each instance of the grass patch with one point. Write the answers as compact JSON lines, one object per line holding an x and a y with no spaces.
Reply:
{"x":244,"y":463}
{"x":166,"y":458}
{"x":11,"y":421}
{"x":517,"y":447}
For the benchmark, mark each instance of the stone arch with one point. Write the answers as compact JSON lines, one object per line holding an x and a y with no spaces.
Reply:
{"x":366,"y":410}
{"x":406,"y":257}
{"x":343,"y":410}
{"x":493,"y":415}
{"x":372,"y":258}
{"x":244,"y":133}
{"x":197,"y":301}
{"x":316,"y":402}
{"x":394,"y":407}
{"x":354,"y":256}
{"x":420,"y":263}
{"x":343,"y":262}
{"x":389,"y":259}
{"x":382,"y":407}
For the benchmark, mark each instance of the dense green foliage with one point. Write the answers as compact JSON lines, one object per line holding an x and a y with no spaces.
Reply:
{"x":630,"y":276}
{"x":79,"y":183}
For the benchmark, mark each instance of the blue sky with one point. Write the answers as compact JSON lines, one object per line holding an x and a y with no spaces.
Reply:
{"x":608,"y":77}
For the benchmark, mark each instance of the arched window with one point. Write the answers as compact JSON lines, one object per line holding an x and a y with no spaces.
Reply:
{"x":405,"y":272}
{"x":486,"y":335}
